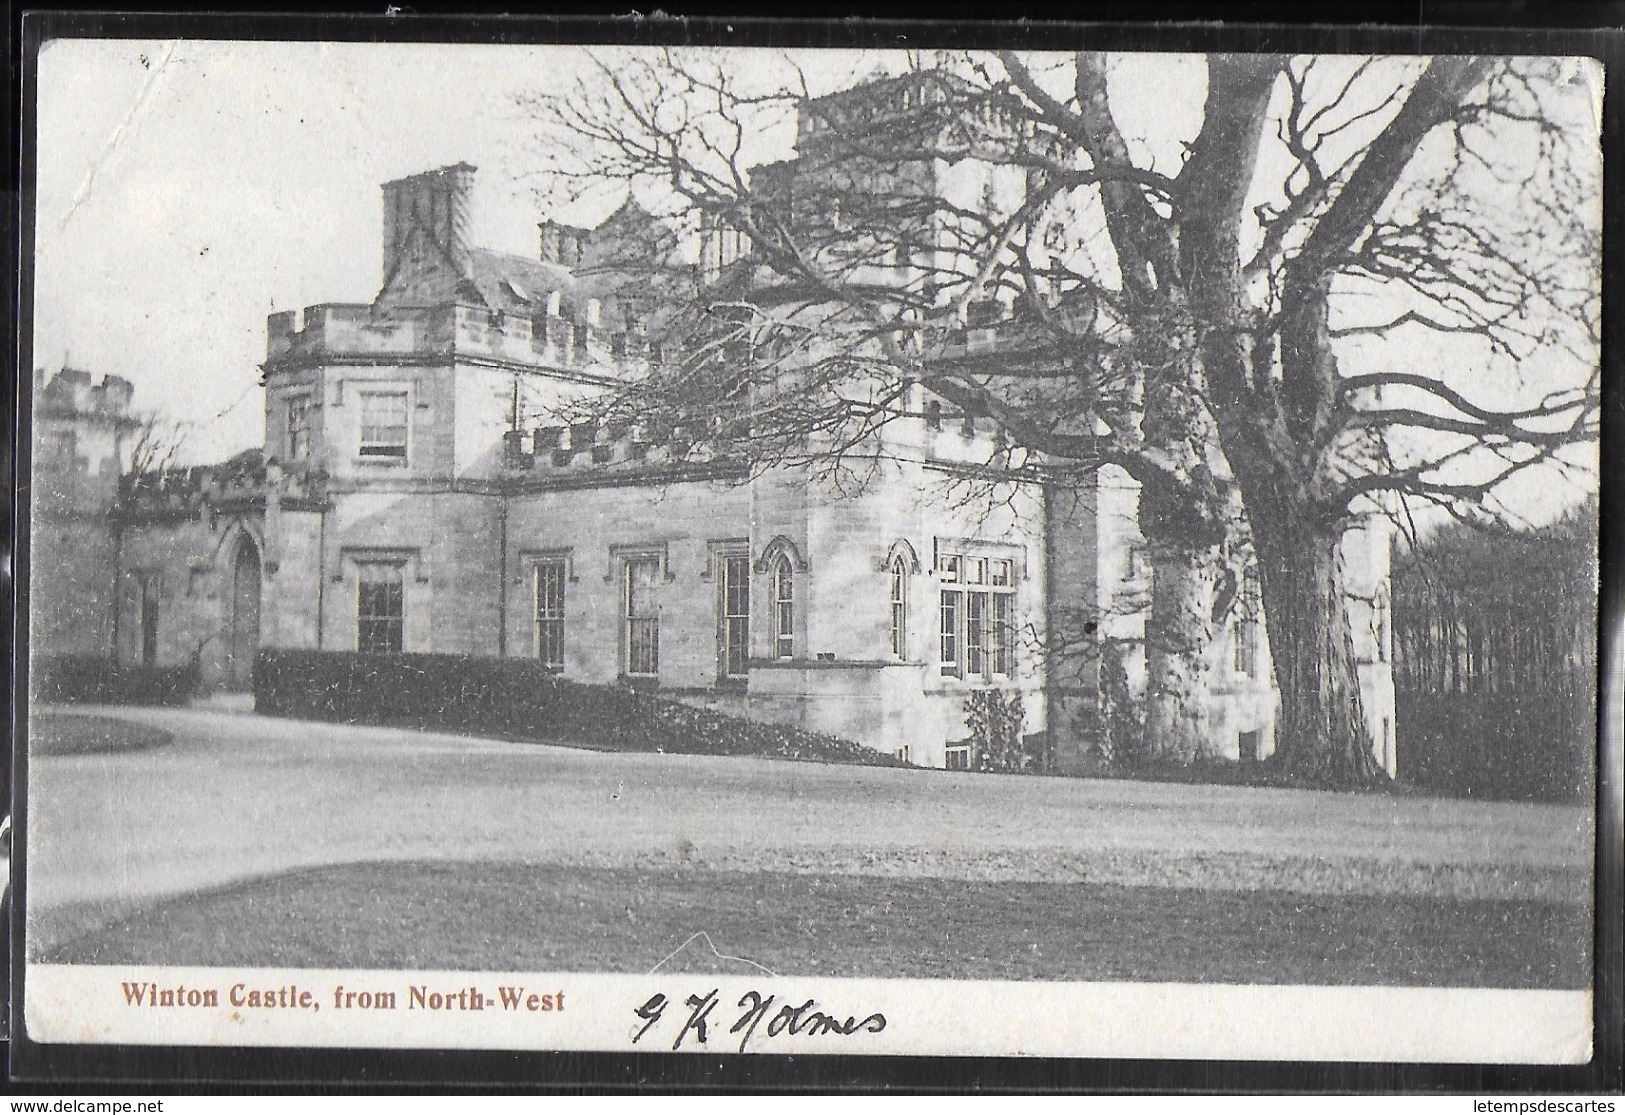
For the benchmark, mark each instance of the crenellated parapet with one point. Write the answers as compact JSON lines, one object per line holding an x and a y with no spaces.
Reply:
{"x":319,"y":332}
{"x":1011,"y":327}
{"x":75,"y":394}
{"x":584,"y":448}
{"x":178,"y":494}
{"x":553,"y":339}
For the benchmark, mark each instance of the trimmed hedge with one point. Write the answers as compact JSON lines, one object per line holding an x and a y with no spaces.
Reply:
{"x":518,"y":698}
{"x":67,"y":679}
{"x":1533,"y":745}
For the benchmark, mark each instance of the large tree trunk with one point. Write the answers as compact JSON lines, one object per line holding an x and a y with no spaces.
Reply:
{"x":1178,"y":642}
{"x":1321,"y":732}
{"x":1185,"y":526}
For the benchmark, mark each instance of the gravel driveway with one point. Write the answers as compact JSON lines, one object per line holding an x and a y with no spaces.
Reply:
{"x":236,"y":796}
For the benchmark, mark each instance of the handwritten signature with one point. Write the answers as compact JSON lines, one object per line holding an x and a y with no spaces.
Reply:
{"x":805,"y":1018}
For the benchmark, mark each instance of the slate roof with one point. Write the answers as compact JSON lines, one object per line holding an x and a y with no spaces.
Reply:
{"x":516,"y":284}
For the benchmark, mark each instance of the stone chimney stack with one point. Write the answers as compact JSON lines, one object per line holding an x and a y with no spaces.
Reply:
{"x":561,"y":243}
{"x":432,"y":204}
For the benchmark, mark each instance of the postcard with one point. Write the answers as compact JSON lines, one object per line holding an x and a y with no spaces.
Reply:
{"x":1047,"y":552}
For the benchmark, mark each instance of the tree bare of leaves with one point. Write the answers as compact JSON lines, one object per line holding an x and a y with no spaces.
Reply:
{"x":153,"y":450}
{"x":1222,"y":323}
{"x":867,"y":265}
{"x":1467,"y":210}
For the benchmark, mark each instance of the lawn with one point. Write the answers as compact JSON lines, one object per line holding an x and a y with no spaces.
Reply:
{"x":73,"y":734}
{"x":552,"y":918}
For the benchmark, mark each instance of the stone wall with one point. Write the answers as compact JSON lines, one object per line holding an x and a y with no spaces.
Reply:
{"x":594,"y":531}
{"x":185,"y":571}
{"x":82,"y":431}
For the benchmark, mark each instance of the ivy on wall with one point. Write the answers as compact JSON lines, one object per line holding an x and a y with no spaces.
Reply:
{"x":994,"y":721}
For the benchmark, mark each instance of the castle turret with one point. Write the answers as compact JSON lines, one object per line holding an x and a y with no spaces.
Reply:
{"x":81,"y":432}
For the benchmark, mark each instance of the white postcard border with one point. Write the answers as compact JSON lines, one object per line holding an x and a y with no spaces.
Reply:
{"x":82,"y":1004}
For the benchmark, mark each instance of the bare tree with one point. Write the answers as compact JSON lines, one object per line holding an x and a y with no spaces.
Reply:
{"x":155,"y":446}
{"x":1212,"y":320}
{"x":861,"y":273}
{"x":1466,"y":209}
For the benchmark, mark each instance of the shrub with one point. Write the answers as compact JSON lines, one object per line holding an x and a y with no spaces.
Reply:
{"x":1122,"y":743}
{"x":520,"y":698}
{"x":994,"y":722}
{"x":72,"y":678}
{"x":1537,"y":746}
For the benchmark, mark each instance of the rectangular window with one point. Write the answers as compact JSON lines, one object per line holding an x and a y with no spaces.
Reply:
{"x":642,"y":617}
{"x":380,"y":607}
{"x":550,"y":578}
{"x":1244,"y":632}
{"x":298,"y":414}
{"x":383,"y":424}
{"x":735,"y":631}
{"x":976,"y":633}
{"x":1243,"y":645}
{"x":950,"y":633}
{"x":978,"y":627}
{"x":1001,"y":633}
{"x":958,"y":758}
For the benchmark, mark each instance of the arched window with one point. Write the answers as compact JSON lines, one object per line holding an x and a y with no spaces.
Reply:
{"x":784,"y":608}
{"x":899,"y":607}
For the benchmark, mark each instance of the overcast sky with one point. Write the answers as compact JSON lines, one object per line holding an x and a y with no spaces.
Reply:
{"x":187,"y":189}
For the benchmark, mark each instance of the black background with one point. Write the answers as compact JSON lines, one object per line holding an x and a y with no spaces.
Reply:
{"x":1381,"y":26}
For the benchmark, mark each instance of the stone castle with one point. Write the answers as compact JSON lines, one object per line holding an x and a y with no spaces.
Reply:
{"x":416,"y":493}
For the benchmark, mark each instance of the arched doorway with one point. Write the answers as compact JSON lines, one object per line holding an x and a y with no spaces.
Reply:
{"x":244,"y":635}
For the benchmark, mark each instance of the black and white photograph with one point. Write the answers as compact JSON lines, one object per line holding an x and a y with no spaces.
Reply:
{"x":754,"y":550}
